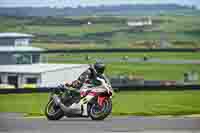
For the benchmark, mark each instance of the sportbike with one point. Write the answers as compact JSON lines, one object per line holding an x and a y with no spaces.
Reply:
{"x":89,"y":101}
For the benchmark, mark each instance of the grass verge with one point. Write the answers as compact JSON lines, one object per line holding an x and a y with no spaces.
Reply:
{"x":140,"y":103}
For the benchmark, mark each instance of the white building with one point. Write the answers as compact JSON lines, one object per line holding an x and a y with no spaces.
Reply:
{"x":23,"y":69}
{"x":8,"y":58}
{"x":140,"y":22}
{"x":89,"y":23}
{"x":17,"y":42}
{"x":15,"y":39}
{"x":42,"y":75}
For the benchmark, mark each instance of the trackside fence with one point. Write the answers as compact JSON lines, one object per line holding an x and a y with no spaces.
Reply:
{"x":116,"y":88}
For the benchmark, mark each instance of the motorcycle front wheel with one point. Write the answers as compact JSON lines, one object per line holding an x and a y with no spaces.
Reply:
{"x":53,"y":112}
{"x":100,"y":113}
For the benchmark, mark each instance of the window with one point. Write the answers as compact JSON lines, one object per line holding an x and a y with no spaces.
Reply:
{"x":31,"y":80}
{"x":21,"y":42}
{"x":13,"y":80}
{"x":22,"y":58}
{"x":35,"y":58}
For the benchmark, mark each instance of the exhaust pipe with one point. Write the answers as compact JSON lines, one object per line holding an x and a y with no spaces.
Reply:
{"x":59,"y":103}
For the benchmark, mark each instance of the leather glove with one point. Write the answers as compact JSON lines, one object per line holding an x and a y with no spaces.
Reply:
{"x":67,"y":84}
{"x":75,"y":83}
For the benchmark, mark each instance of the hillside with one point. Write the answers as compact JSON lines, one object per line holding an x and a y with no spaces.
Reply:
{"x":153,"y":9}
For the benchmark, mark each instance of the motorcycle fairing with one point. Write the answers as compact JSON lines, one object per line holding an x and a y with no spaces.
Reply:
{"x":101,"y":100}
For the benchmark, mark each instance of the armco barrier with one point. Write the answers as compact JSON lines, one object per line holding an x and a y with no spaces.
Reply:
{"x":111,"y":50}
{"x":156,"y":87}
{"x":116,"y":88}
{"x":24,"y":90}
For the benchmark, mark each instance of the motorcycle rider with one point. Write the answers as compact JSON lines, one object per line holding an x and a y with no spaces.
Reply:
{"x":90,"y":75}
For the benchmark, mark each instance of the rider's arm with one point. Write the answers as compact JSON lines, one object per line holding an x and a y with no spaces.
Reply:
{"x":106,"y":79}
{"x":79,"y":82}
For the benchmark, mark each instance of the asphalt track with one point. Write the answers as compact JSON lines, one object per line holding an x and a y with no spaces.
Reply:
{"x":16,"y":123}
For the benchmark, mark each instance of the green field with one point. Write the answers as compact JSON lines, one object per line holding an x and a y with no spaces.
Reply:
{"x":160,"y":55}
{"x":149,"y":71}
{"x":132,"y":103}
{"x":181,"y":31}
{"x":68,"y":30}
{"x":152,"y":71}
{"x":157,"y":103}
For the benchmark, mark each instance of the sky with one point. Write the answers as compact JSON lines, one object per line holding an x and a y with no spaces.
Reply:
{"x":75,"y":3}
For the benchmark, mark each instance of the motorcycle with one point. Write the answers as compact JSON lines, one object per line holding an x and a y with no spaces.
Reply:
{"x":95,"y":103}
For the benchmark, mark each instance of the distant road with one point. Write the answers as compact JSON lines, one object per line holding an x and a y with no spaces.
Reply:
{"x":134,"y":60}
{"x":17,"y":124}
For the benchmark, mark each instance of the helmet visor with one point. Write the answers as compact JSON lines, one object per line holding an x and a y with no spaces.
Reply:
{"x":100,"y":70}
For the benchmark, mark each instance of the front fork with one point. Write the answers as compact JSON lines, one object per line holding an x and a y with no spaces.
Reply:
{"x":84,"y":104}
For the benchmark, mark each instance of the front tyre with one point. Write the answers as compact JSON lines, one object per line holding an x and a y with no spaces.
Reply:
{"x":53,"y":112}
{"x":100,"y":113}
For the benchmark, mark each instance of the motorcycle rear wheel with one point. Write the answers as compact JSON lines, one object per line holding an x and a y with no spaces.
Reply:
{"x":57,"y":113}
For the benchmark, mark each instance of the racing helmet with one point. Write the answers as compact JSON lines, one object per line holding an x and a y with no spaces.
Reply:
{"x":99,"y":67}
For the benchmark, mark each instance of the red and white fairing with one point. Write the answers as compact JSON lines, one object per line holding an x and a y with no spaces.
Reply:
{"x":102,"y":92}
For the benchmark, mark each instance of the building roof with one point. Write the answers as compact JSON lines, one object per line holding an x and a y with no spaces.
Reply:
{"x":14,"y":35}
{"x":19,"y":49}
{"x":37,"y":68}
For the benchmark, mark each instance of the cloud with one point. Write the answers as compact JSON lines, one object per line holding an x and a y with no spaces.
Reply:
{"x":73,"y":3}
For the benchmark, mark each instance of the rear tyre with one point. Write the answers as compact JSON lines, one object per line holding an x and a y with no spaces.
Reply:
{"x":97,"y":113}
{"x":53,"y":112}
